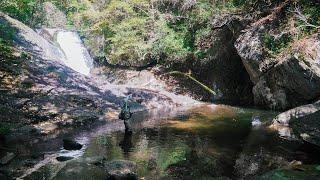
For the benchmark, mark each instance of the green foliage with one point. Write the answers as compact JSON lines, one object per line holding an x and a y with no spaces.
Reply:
{"x":27,"y":11}
{"x":311,"y":10}
{"x":169,"y":42}
{"x":139,"y":32}
{"x":7,"y":32}
{"x":5,"y":49}
{"x":172,"y":157}
{"x":276,"y":45}
{"x":5,"y":128}
{"x":104,"y":141}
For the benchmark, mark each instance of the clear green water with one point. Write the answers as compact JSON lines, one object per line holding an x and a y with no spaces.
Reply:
{"x":203,"y":142}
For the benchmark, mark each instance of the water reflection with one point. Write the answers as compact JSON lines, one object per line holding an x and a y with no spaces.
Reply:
{"x":208,"y":141}
{"x":126,"y":144}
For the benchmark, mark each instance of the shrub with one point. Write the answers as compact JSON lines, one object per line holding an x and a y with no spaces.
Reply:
{"x":27,"y":11}
{"x":276,"y":45}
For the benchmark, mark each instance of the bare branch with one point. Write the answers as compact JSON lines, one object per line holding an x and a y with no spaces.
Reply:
{"x":300,"y":16}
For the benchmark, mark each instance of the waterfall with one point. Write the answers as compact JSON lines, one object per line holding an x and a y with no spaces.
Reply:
{"x":77,"y":56}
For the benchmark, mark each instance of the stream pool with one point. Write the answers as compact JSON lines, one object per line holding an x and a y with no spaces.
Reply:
{"x":200,"y":143}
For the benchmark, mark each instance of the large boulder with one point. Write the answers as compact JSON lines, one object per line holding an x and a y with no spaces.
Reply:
{"x":37,"y":87}
{"x":307,"y":128}
{"x":285,"y":79}
{"x":7,"y":158}
{"x":27,"y":39}
{"x":303,"y":120}
{"x":285,"y":118}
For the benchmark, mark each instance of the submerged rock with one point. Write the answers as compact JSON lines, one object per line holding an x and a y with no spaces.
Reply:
{"x":64,"y":158}
{"x":71,"y":145}
{"x":75,"y":170}
{"x":95,"y":160}
{"x":121,"y":169}
{"x":7,"y":158}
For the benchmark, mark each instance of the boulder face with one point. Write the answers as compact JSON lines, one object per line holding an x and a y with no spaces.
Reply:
{"x":285,"y":118}
{"x":28,"y":40}
{"x":285,"y":80}
{"x":290,"y":83}
{"x":303,"y":120}
{"x":307,"y":129}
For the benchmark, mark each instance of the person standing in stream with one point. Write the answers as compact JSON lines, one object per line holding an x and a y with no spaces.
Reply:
{"x":125,"y":115}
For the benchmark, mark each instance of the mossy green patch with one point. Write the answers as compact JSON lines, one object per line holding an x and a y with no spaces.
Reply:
{"x":5,"y":128}
{"x":276,"y":45}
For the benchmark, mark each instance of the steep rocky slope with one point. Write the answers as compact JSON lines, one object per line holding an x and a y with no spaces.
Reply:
{"x":287,"y":79}
{"x":37,"y":88}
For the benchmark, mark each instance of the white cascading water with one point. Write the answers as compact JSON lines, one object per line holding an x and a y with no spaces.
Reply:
{"x":77,"y":56}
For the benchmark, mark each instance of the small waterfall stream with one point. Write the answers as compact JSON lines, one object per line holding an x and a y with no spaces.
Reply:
{"x":77,"y":56}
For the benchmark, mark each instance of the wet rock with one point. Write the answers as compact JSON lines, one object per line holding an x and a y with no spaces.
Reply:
{"x":249,"y":164}
{"x":69,"y":144}
{"x":95,"y":160}
{"x":256,"y":157}
{"x":221,"y":178}
{"x":75,"y":170}
{"x":307,"y":128}
{"x":286,"y":117}
{"x":7,"y":158}
{"x":303,"y":120}
{"x":48,"y":171}
{"x":121,"y":169}
{"x":64,"y":158}
{"x":29,"y":162}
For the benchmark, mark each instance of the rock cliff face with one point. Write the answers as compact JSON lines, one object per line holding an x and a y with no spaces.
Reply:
{"x":37,"y":88}
{"x":241,"y":67}
{"x":221,"y":68}
{"x":28,"y":40}
{"x":284,"y":80}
